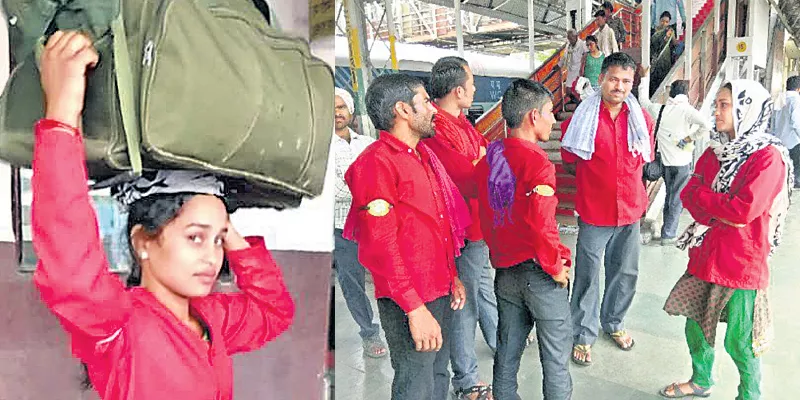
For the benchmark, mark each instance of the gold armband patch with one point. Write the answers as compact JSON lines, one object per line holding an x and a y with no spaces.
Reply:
{"x":378,"y":207}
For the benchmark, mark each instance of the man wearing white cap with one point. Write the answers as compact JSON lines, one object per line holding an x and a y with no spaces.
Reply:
{"x":347,"y":146}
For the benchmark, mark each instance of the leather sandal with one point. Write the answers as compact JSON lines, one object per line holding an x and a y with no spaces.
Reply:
{"x":484,"y":392}
{"x":697,"y":391}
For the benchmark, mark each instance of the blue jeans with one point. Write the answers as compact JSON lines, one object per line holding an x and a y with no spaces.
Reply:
{"x":528,"y":297}
{"x":481,"y":308}
{"x":621,"y":245}
{"x":675,"y":178}
{"x":351,"y":275}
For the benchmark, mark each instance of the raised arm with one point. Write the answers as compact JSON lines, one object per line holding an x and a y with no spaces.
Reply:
{"x":72,"y":275}
{"x":263,"y":307}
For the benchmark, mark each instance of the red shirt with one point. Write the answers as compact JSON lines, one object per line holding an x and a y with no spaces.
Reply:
{"x":532,"y":232}
{"x":610,"y":187}
{"x":134,"y":347}
{"x":407,"y":250}
{"x":729,"y":256}
{"x":459,"y":163}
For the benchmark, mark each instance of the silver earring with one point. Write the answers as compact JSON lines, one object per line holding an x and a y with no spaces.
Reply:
{"x":143,"y":255}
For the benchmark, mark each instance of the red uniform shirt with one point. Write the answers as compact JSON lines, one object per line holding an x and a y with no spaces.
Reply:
{"x":134,"y":347}
{"x":610,"y":187}
{"x":532,"y":232}
{"x":730,"y":256}
{"x":408,"y":249}
{"x":453,"y":144}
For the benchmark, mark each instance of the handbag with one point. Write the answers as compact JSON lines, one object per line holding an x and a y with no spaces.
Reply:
{"x":654,"y":170}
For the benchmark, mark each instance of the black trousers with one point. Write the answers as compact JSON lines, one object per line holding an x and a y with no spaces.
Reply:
{"x":417,"y":375}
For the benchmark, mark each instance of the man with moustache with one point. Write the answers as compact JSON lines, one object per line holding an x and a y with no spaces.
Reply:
{"x":350,"y":273}
{"x":459,"y":146}
{"x":606,"y":143}
{"x":409,"y":221}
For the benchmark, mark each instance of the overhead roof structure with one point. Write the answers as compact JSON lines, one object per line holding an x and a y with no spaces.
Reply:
{"x":550,"y":14}
{"x":550,"y":26}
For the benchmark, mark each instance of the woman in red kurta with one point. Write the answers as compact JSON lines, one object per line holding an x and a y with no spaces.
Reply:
{"x":739,"y":196}
{"x":170,"y":338}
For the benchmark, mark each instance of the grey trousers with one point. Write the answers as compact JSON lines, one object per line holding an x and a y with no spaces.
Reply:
{"x":351,"y":275}
{"x":481,"y":309}
{"x":676,"y":178}
{"x":621,"y":245}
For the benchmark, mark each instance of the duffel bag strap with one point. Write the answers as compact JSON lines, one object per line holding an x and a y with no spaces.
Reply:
{"x":122,"y":66}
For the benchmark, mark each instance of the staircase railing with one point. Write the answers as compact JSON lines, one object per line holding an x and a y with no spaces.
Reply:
{"x":708,"y":53}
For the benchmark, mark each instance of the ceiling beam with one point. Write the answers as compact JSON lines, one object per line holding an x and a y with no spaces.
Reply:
{"x":503,"y":15}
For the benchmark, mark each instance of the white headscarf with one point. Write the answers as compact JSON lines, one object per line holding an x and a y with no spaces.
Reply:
{"x":346,"y":98}
{"x":752,"y":109}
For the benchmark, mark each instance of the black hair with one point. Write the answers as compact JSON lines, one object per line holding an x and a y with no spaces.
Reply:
{"x":384,"y":92}
{"x":793,"y":83}
{"x":591,"y":38}
{"x":619,"y":59}
{"x":678,"y":88}
{"x":666,"y":14}
{"x":600,"y":13}
{"x":520,"y":98}
{"x":447,"y":74}
{"x":153,"y":213}
{"x":608,"y":6}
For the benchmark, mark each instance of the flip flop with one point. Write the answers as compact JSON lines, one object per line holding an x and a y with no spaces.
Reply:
{"x":585,"y":350}
{"x":621,"y":334}
{"x":697,"y":391}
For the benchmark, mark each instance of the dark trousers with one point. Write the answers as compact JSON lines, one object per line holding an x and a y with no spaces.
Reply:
{"x":676,"y":178}
{"x":528,"y":297}
{"x":417,"y":375}
{"x":794,"y":154}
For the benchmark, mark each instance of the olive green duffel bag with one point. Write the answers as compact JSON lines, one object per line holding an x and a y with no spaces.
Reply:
{"x":194,"y":84}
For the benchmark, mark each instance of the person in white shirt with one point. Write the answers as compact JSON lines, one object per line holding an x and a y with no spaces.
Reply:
{"x":680,"y":126}
{"x":576,"y":49}
{"x":787,"y":124}
{"x":351,"y":274}
{"x":606,"y":39}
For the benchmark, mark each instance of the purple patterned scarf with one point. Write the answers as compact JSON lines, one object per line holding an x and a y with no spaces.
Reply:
{"x":502,"y":183}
